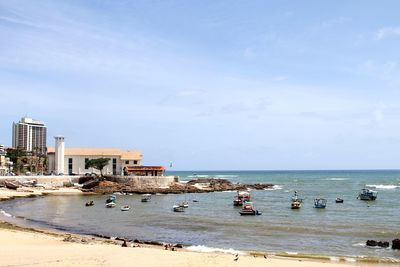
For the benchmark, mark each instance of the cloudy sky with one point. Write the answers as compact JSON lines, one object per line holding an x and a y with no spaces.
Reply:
{"x":209,"y":84}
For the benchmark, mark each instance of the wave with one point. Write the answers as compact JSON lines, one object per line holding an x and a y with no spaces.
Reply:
{"x":336,"y":179}
{"x":5,"y":213}
{"x":227,"y":176}
{"x":275,"y":187}
{"x":211,"y":249}
{"x":198,"y":176}
{"x":383,"y":186}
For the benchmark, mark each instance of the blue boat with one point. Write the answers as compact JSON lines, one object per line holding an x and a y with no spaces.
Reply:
{"x":111,"y":198}
{"x":320,"y":203}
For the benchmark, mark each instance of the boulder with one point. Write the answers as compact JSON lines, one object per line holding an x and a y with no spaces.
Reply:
{"x":396,"y":244}
{"x":371,"y":243}
{"x":383,"y":244}
{"x":90,"y":184}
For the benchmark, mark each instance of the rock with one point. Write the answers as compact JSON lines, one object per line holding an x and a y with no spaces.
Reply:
{"x":90,"y":184}
{"x":396,"y":244}
{"x":383,"y":244}
{"x":373,"y":243}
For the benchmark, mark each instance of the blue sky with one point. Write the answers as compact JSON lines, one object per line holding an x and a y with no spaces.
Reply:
{"x":209,"y":84}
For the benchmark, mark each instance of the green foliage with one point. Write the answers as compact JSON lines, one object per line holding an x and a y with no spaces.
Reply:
{"x":98,"y":164}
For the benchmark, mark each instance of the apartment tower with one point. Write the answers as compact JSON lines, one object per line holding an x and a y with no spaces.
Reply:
{"x":29,"y":135}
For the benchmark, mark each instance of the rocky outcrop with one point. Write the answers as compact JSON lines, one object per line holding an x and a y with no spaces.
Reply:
{"x":193,"y":186}
{"x":90,"y":184}
{"x":373,"y":243}
{"x":396,"y":244}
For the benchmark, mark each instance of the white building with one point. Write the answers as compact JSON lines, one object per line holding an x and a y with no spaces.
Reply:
{"x":75,"y":159}
{"x":29,"y":135}
{"x":5,"y":164}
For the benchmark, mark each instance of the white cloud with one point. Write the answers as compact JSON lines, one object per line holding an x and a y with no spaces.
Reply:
{"x":387,"y":32}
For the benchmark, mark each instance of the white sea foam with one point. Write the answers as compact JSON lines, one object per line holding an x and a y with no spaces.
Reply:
{"x":336,"y":179}
{"x":350,"y":259}
{"x":198,"y":176}
{"x":275,"y":187}
{"x":383,"y":186}
{"x":359,"y":245}
{"x":211,"y":249}
{"x":226,"y":176}
{"x":5,"y":213}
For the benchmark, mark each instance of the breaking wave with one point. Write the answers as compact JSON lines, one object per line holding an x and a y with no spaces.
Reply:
{"x":5,"y":213}
{"x":275,"y":187}
{"x":383,"y":186}
{"x":211,"y":249}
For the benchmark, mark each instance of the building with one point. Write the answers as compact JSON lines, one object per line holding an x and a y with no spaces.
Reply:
{"x":29,"y":135}
{"x":63,"y":160}
{"x":5,"y":164}
{"x":144,"y":170}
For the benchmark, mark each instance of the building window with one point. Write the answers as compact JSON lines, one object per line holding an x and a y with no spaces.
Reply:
{"x":69,"y":166}
{"x":126,"y":161}
{"x":114,"y":166}
{"x":135,"y":162}
{"x":86,"y":161}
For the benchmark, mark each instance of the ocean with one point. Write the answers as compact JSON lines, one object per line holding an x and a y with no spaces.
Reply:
{"x":213,"y":223}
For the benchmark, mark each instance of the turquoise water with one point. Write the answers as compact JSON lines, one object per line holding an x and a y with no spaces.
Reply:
{"x":338,"y":230}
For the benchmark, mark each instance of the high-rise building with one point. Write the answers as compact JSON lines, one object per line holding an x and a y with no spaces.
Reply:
{"x":29,"y":135}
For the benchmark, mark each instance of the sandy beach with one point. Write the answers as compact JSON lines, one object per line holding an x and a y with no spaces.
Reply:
{"x":22,"y":247}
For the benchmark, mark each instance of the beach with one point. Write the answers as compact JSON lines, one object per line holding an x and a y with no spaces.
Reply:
{"x":27,"y":247}
{"x":335,"y":235}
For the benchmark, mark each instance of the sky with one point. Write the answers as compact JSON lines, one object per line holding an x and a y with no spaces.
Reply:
{"x":209,"y":85}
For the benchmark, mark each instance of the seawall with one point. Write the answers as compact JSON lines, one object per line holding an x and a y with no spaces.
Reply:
{"x":137,"y":181}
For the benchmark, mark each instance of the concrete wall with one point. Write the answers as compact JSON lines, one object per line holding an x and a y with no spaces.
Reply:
{"x":51,"y":180}
{"x":147,"y":181}
{"x":137,"y":181}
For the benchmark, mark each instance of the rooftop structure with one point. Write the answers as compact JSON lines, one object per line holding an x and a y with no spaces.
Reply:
{"x":29,"y":135}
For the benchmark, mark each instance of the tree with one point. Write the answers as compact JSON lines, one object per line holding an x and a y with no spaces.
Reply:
{"x":16,"y":155}
{"x":98,"y":164}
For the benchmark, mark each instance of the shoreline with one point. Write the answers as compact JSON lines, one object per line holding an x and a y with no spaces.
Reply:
{"x":6,"y":194}
{"x":90,"y":251}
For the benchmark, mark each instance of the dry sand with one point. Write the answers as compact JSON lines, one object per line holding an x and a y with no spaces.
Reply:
{"x":20,"y":247}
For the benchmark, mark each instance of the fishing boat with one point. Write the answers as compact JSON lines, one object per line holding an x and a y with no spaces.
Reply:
{"x":184,"y":204}
{"x":248,"y":209}
{"x":339,"y":200}
{"x":125,"y":208}
{"x":320,"y":203}
{"x":89,"y":203}
{"x":110,"y":205}
{"x":111,"y":198}
{"x":296,"y":201}
{"x":178,"y":208}
{"x":146,"y":197}
{"x":241,"y":198}
{"x":367,"y":194}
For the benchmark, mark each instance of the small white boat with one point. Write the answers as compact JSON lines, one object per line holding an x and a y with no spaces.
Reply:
{"x":125,"y":208}
{"x":178,"y":208}
{"x":110,"y":205}
{"x":184,"y":204}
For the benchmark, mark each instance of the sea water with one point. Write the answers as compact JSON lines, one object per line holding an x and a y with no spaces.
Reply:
{"x":214,"y":223}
